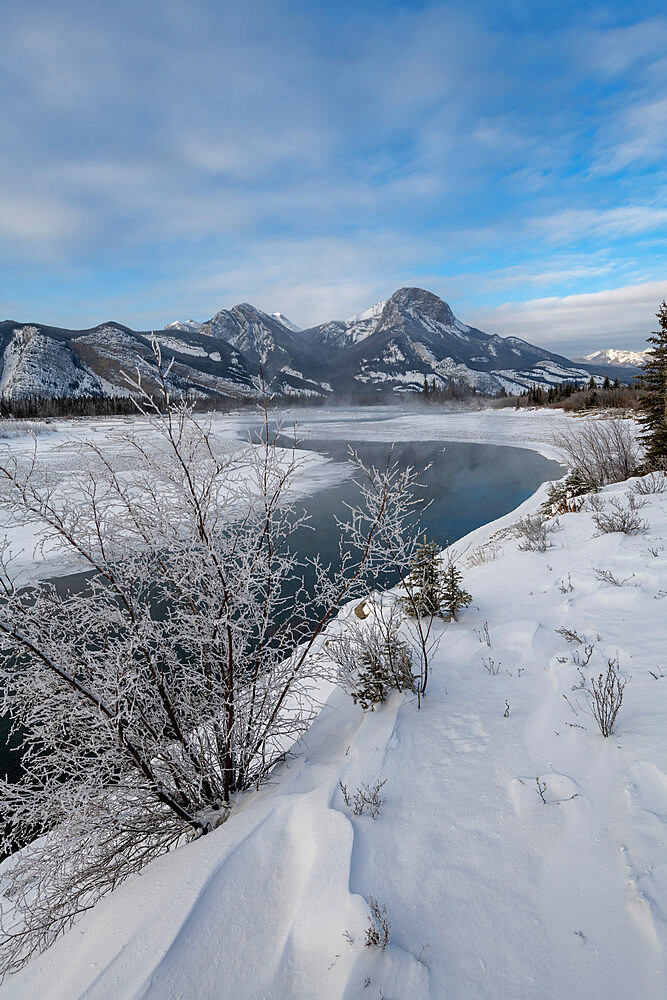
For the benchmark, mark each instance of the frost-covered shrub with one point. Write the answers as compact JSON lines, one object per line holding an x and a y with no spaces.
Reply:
{"x":618,"y":517}
{"x":373,"y":661}
{"x":601,"y":451}
{"x":533,"y":530}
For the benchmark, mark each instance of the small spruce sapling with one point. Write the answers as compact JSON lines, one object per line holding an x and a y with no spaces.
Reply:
{"x":385,"y":665}
{"x":454,"y":597}
{"x":425,"y":583}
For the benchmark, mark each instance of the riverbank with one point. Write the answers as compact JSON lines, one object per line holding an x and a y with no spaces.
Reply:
{"x":519,"y":853}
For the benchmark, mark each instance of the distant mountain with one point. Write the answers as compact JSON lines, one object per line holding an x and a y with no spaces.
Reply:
{"x":615,"y":358}
{"x":393,"y":346}
{"x":38,"y":360}
{"x":288,"y":361}
{"x":414,"y":335}
{"x":186,"y":325}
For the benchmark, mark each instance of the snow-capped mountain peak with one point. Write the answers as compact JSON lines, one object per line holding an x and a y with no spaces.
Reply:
{"x":287,"y":323}
{"x":185,"y":325}
{"x":372,"y":313}
{"x":612,"y":356}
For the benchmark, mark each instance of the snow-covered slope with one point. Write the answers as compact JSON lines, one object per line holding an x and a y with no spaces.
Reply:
{"x":36,"y":365}
{"x":287,"y":323}
{"x":49,"y":361}
{"x":611,"y":356}
{"x":519,"y":853}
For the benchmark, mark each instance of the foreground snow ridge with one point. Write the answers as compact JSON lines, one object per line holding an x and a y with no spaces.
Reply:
{"x":518,"y":852}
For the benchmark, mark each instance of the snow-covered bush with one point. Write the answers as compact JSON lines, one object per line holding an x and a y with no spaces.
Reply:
{"x":173,"y":680}
{"x":372,"y":658}
{"x":623,"y":518}
{"x":533,"y":530}
{"x":602,"y":451}
{"x":379,"y":925}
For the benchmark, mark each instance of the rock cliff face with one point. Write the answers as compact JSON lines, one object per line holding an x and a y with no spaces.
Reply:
{"x":394,"y":346}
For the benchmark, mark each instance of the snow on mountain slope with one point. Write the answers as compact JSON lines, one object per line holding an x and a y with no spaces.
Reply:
{"x":287,"y":323}
{"x":373,"y":313}
{"x":519,"y":853}
{"x":185,"y":326}
{"x":35,"y":365}
{"x":611,"y":356}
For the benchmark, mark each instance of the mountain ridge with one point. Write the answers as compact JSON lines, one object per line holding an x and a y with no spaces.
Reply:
{"x":394,"y":347}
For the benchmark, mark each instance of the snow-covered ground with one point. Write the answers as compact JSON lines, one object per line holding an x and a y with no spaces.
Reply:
{"x":519,"y":853}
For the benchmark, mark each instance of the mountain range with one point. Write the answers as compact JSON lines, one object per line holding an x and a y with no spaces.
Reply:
{"x":391,"y":347}
{"x":615,"y":358}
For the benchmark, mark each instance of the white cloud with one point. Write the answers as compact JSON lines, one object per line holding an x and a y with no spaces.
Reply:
{"x":574,"y":324}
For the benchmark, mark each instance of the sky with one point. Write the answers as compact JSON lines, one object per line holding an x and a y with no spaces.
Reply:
{"x":164,"y":160}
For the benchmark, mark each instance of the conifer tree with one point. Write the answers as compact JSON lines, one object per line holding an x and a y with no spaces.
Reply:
{"x":425,"y":582}
{"x":454,"y":597}
{"x":653,"y":401}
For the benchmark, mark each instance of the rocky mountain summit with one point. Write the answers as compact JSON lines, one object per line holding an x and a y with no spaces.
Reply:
{"x":393,"y":347}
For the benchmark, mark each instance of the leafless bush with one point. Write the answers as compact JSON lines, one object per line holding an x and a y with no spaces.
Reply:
{"x":583,"y":659}
{"x":541,"y":790}
{"x":566,"y":588}
{"x":602,"y":451}
{"x":606,"y":696}
{"x":366,"y":798}
{"x":483,"y":634}
{"x":570,"y":634}
{"x":483,"y":554}
{"x":491,"y":666}
{"x":377,"y":932}
{"x":655,"y":482}
{"x":621,"y":518}
{"x":606,"y":576}
{"x":534,"y":531}
{"x":594,"y":503}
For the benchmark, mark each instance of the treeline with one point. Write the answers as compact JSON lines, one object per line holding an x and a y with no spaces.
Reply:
{"x":66,"y":406}
{"x":565,"y":395}
{"x":35,"y":406}
{"x":456,"y":389}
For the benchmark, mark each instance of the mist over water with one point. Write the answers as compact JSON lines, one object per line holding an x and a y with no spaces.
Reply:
{"x":466,"y":486}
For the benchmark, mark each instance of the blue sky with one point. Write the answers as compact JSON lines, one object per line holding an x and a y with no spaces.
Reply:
{"x":164,"y":160}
